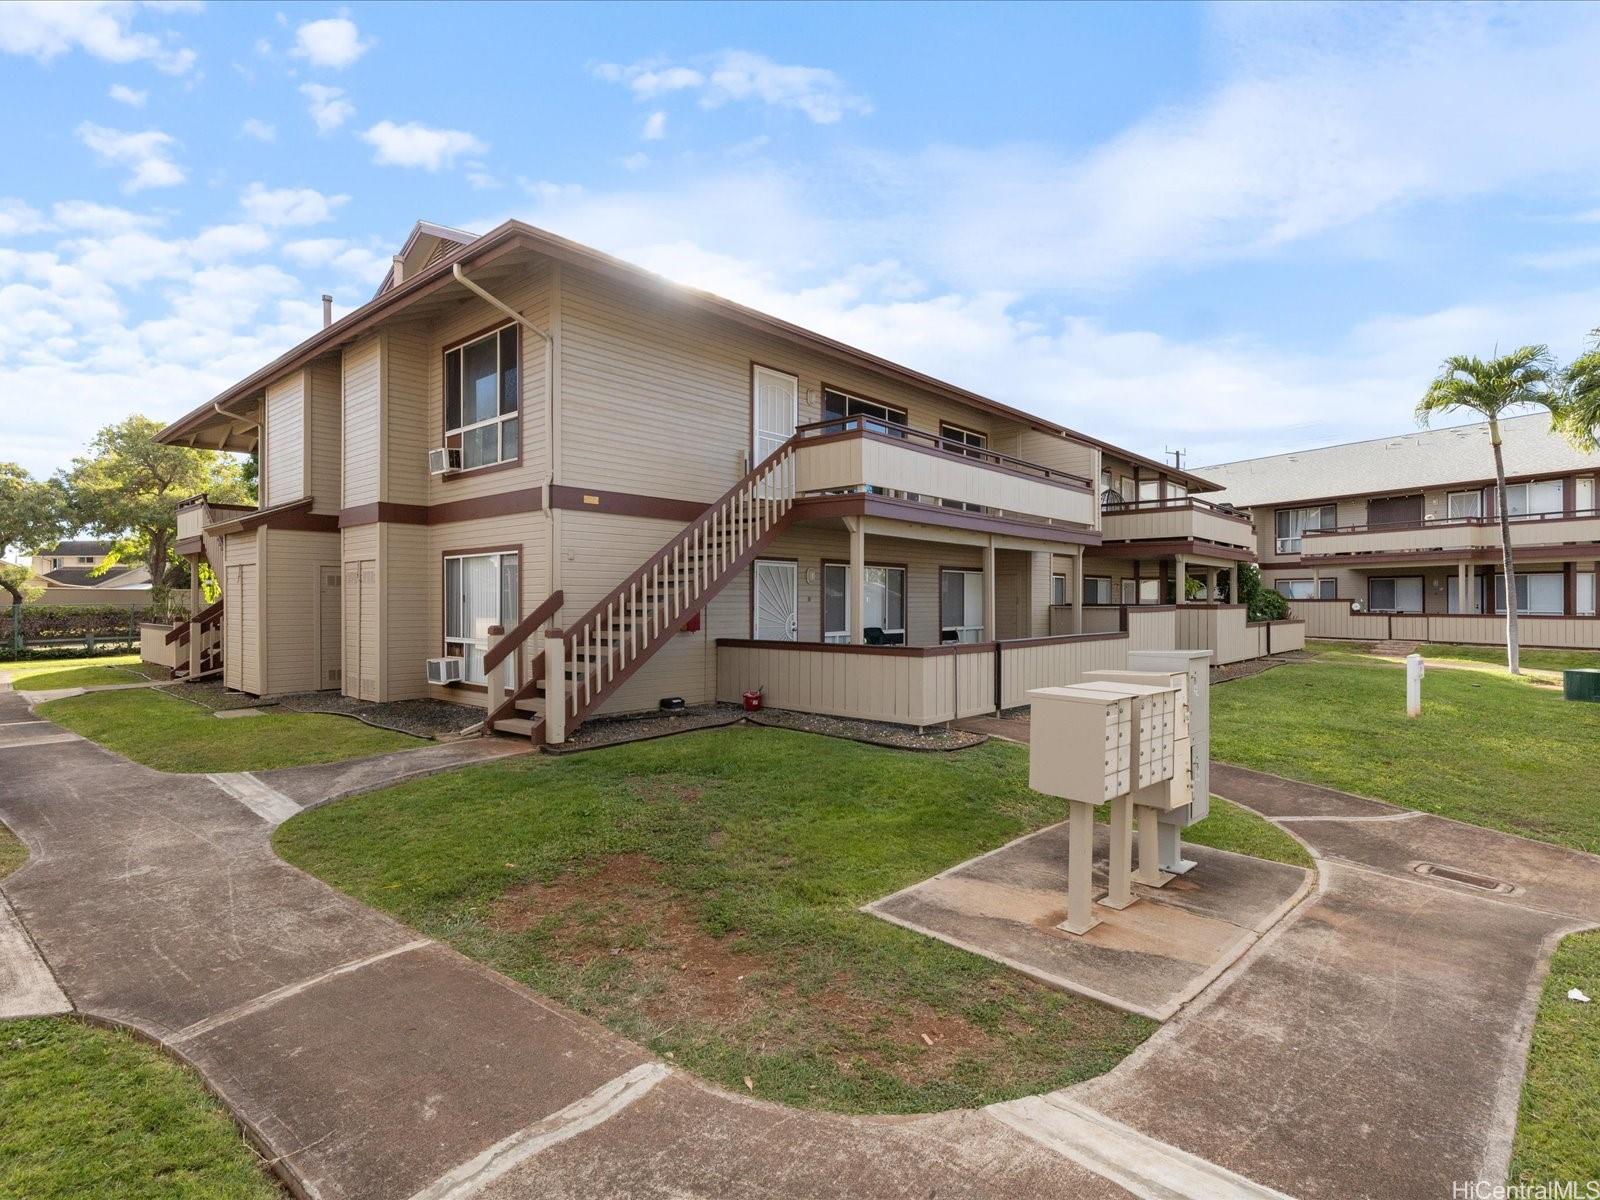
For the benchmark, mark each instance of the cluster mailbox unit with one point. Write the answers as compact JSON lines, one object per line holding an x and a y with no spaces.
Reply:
{"x":1128,"y":739}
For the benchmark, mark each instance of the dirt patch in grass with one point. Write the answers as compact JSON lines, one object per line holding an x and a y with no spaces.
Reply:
{"x":622,"y":916}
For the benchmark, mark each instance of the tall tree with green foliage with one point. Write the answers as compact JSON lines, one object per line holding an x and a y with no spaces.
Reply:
{"x":128,"y":487}
{"x":32,"y":516}
{"x":1580,"y":415}
{"x":1500,"y":387}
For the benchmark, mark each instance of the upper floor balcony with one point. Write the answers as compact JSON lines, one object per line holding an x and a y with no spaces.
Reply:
{"x":197,"y":512}
{"x":863,"y":456}
{"x":1462,"y":534}
{"x":1186,"y":518}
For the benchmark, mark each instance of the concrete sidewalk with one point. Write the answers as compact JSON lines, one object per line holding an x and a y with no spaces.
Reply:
{"x":1371,"y":1045}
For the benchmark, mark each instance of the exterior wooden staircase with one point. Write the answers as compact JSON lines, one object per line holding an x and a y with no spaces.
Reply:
{"x":578,"y":668}
{"x":201,"y":634}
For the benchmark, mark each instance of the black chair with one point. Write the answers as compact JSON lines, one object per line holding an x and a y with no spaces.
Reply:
{"x":873,"y":636}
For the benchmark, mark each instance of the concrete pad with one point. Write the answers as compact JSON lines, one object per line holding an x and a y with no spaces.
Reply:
{"x":1373,"y":1047}
{"x":238,"y":714}
{"x":1149,"y":958}
{"x":48,"y":736}
{"x":1275,"y":796}
{"x":45,"y":695}
{"x":687,"y":1140}
{"x":271,"y":805}
{"x":379,"y":1080}
{"x":27,"y":989}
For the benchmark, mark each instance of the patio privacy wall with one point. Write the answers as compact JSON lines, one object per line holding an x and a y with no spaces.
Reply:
{"x":1335,"y":619}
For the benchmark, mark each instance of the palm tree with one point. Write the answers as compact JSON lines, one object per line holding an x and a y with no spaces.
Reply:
{"x":1524,"y":378}
{"x":1581,"y":418}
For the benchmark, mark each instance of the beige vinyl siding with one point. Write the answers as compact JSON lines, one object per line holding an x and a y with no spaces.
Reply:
{"x":407,"y":433}
{"x":1053,"y":450}
{"x":632,"y":361}
{"x":362,"y":423}
{"x":283,"y":460}
{"x":409,"y":638}
{"x":324,"y":405}
{"x":289,"y":607}
{"x":359,"y":641}
{"x":242,"y":637}
{"x":530,"y":295}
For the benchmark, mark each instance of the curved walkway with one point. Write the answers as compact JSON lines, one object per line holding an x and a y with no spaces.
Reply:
{"x":1367,"y":1047}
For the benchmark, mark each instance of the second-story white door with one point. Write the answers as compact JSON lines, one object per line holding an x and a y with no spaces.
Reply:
{"x":774,"y":409}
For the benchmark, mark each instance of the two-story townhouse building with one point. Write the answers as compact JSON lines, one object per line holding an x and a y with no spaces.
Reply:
{"x":1409,"y":525}
{"x":73,"y":572}
{"x":524,"y":462}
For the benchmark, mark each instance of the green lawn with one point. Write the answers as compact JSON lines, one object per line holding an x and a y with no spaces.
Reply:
{"x":1558,"y":1129}
{"x":1536,"y":659}
{"x":12,"y":852}
{"x":92,"y":1112}
{"x":1229,"y":827}
{"x":173,"y":735}
{"x":1489,"y":748}
{"x":699,"y":894}
{"x":45,"y":674}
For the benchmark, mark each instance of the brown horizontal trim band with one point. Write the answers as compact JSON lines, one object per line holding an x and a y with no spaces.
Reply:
{"x":1280,"y":621}
{"x":627,"y":504}
{"x":858,"y":504}
{"x":1062,"y":639}
{"x":1190,"y":547}
{"x":292,"y":515}
{"x":500,"y":504}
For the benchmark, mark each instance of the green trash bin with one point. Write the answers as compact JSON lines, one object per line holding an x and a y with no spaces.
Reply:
{"x":1581,"y":684}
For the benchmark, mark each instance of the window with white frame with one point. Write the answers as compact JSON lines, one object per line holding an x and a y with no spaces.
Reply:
{"x":481,"y":395}
{"x":1176,"y":490}
{"x":836,"y":404}
{"x":884,"y":609}
{"x":1150,"y":489}
{"x":1463,"y":505}
{"x":1584,"y":495}
{"x":1397,"y":593}
{"x":1307,"y":589}
{"x":1586,"y":595}
{"x":960,"y":605}
{"x":1532,"y":499}
{"x":1097,"y":589}
{"x":1452,"y":594}
{"x":1058,"y":589}
{"x":1292,"y":522}
{"x":1141,"y":591}
{"x":480,"y":590}
{"x":962,"y":437}
{"x":1542,"y":593}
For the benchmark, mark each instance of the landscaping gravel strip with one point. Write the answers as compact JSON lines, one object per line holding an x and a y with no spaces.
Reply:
{"x":617,"y":731}
{"x":873,"y":733}
{"x":209,"y":693}
{"x":436,"y":719}
{"x":1255,"y":666}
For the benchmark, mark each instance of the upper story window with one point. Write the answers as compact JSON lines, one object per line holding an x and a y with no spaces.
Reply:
{"x":837,"y":404}
{"x":962,"y":437}
{"x":481,"y":394}
{"x":1149,"y":489}
{"x":1461,"y":505}
{"x":1292,"y":522}
{"x":1176,"y":490}
{"x":1530,"y":499}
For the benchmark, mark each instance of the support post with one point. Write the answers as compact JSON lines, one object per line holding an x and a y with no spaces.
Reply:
{"x":858,"y":581}
{"x":1463,"y":594}
{"x":1080,"y":869}
{"x":1211,"y":585}
{"x":988,"y":590}
{"x":555,"y":687}
{"x":1120,"y":868}
{"x":1082,"y":588}
{"x":1180,"y":569}
{"x":194,"y":584}
{"x":1149,"y":873}
{"x":497,"y":677}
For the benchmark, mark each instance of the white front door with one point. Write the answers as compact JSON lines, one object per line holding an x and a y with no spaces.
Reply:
{"x":777,"y":610}
{"x":775,"y":407}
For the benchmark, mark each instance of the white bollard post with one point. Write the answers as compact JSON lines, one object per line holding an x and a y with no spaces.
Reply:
{"x":497,"y":677}
{"x":1414,"y":671}
{"x":555,"y":688}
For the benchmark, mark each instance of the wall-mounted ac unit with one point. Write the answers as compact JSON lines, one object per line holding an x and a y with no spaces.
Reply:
{"x":444,"y":670}
{"x":446,"y":458}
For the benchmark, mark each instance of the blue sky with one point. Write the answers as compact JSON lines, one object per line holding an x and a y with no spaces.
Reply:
{"x":1231,"y":229}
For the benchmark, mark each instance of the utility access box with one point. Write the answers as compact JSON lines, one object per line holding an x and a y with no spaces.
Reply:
{"x":1081,"y":744}
{"x":1155,"y":721}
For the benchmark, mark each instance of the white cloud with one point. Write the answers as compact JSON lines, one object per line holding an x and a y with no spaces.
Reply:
{"x":637,"y":161}
{"x":357,"y":262}
{"x":46,"y":29}
{"x":328,"y":106}
{"x":147,"y":155}
{"x":482,"y":181}
{"x":742,"y":75}
{"x":259,"y":130}
{"x":416,"y":145}
{"x":332,"y":42}
{"x":18,"y":218}
{"x":655,"y":126}
{"x":99,"y":218}
{"x":132,"y":97}
{"x":1569,"y":259}
{"x":288,"y":206}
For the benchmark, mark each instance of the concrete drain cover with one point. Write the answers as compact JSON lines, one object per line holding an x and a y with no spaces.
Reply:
{"x":1455,"y":875}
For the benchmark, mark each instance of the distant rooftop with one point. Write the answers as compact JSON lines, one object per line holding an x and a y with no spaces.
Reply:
{"x":1424,"y":459}
{"x":80,"y":548}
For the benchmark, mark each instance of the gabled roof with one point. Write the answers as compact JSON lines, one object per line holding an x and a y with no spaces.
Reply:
{"x":79,"y":547}
{"x":514,"y":236}
{"x":86,"y":577}
{"x":427,"y":244}
{"x":1429,"y":458}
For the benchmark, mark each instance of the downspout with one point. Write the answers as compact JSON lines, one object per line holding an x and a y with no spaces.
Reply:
{"x":549,"y":398}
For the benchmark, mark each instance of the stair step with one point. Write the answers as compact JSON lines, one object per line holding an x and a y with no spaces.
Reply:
{"x":517,"y":726}
{"x":533,"y":704}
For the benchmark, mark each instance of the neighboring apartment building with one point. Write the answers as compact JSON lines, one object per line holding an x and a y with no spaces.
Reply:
{"x":1408,"y":525}
{"x":518,"y":432}
{"x":68,"y":573}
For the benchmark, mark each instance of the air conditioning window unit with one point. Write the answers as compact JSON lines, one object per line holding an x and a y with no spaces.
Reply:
{"x":445,"y":458}
{"x":444,"y":670}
